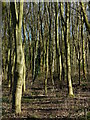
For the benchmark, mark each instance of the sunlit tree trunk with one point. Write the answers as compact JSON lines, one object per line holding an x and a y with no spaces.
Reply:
{"x":18,"y":72}
{"x":70,"y":89}
{"x":60,"y":59}
{"x":85,"y":16}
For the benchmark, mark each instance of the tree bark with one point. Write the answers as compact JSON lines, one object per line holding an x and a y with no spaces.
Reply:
{"x":18,"y":72}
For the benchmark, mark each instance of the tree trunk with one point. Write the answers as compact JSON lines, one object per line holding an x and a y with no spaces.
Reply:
{"x":70,"y":89}
{"x":83,"y":50}
{"x":18,"y":72}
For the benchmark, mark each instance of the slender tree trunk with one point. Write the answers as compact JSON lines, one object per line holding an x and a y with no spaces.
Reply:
{"x":30,"y":55}
{"x":62,"y":40}
{"x":46,"y":72}
{"x":9,"y":55}
{"x":46,"y":58}
{"x":24,"y":67}
{"x":56,"y":37}
{"x":60,"y":59}
{"x":79,"y":59}
{"x":83,"y":50}
{"x":68,"y":52}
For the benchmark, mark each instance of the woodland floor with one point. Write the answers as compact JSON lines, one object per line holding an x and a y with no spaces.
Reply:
{"x":56,"y":105}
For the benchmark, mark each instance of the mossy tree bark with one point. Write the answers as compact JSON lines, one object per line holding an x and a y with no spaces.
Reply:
{"x":85,"y":16}
{"x":70,"y":89}
{"x":18,"y":72}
